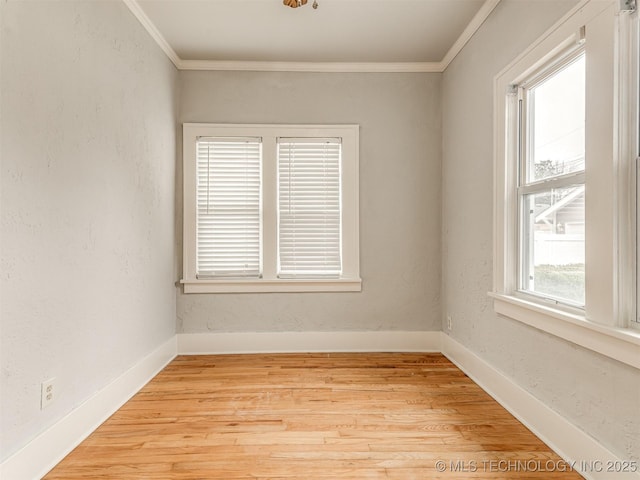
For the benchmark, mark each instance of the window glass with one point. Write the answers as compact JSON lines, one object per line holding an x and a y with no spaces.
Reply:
{"x":554,"y":249}
{"x":556,"y":108}
{"x":552,"y":189}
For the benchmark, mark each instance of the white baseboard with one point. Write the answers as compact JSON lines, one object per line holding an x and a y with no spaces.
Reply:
{"x":303,"y":342}
{"x":567,"y":440}
{"x":41,"y":454}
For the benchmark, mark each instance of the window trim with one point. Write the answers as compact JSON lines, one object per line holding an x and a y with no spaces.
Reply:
{"x":349,"y":281}
{"x":602,"y":327}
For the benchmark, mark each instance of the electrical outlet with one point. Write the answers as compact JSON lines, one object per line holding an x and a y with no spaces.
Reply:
{"x":48,"y":393}
{"x":449,"y":322}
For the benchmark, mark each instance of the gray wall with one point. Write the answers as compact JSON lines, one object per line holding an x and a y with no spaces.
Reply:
{"x":88,"y":172}
{"x":88,"y":106}
{"x":399,"y":116}
{"x":598,"y":394}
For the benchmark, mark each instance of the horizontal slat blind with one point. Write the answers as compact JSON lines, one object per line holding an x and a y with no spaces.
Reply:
{"x":228,"y":207}
{"x":309,"y":205}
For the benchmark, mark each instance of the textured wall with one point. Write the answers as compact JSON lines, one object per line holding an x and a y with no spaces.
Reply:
{"x":400,"y":135}
{"x":596,"y":393}
{"x":88,"y":164}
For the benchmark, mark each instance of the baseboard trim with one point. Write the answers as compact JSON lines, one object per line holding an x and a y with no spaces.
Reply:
{"x":44,"y":452}
{"x":303,"y":342}
{"x":567,"y":440}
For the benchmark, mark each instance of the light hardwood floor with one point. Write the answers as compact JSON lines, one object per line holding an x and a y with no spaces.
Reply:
{"x":311,"y":416}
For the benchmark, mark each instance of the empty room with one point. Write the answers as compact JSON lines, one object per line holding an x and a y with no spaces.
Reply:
{"x":319,"y":239}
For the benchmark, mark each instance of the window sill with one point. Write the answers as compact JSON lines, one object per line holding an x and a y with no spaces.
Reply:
{"x":622,"y":344}
{"x":272,"y":286}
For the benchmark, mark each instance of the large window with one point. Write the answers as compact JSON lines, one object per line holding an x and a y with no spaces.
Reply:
{"x":551,"y":190}
{"x":634,"y":83}
{"x":270,"y":208}
{"x":628,"y":166}
{"x":630,"y":146}
{"x":566,"y":218}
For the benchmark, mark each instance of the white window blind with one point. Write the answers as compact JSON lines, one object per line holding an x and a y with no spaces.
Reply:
{"x":309,"y":207}
{"x":228,"y":207}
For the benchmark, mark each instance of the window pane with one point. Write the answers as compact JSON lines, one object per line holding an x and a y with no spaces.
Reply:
{"x":228,"y":208}
{"x":557,"y":119}
{"x":553,"y":244}
{"x":309,"y":208}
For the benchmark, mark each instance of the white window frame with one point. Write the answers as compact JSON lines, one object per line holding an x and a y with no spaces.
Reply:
{"x":348,"y":281}
{"x":606,"y":325}
{"x":628,"y":148}
{"x":528,"y":186}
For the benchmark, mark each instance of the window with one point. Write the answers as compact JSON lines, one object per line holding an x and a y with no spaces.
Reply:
{"x":634,"y":140}
{"x":228,"y":207}
{"x":630,"y":142}
{"x":628,"y":165}
{"x":309,"y":233}
{"x":551,"y":190}
{"x":566,"y":142}
{"x":270,"y":208}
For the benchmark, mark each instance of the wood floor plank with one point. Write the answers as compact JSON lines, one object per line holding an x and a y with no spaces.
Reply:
{"x":311,"y":416}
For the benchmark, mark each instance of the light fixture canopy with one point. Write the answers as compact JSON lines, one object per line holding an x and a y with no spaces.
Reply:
{"x":294,"y":3}
{"x":298,"y":3}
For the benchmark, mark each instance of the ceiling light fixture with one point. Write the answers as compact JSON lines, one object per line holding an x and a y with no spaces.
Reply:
{"x":299,"y":3}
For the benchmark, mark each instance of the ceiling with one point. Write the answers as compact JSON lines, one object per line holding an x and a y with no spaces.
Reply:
{"x":349,"y":35}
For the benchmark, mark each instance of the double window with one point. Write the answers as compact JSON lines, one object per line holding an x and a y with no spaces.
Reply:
{"x":270,"y":208}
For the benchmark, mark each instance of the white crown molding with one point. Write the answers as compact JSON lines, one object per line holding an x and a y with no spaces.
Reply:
{"x":146,"y":22}
{"x":327,"y":67}
{"x":318,"y":67}
{"x":475,"y":23}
